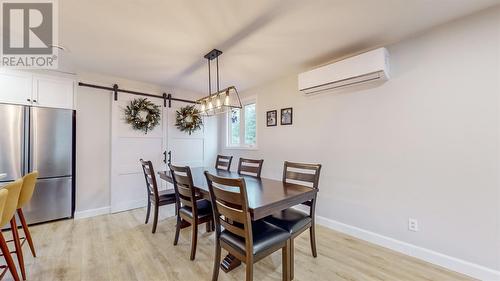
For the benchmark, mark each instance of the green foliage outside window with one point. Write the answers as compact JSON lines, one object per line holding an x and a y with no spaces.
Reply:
{"x":250,"y":124}
{"x":248,"y":127}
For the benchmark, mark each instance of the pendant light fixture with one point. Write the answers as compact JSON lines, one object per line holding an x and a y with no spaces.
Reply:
{"x":221,"y":101}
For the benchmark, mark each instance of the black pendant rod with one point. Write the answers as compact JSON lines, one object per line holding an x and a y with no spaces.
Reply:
{"x":209,"y":79}
{"x":116,"y":90}
{"x":217,"y":61}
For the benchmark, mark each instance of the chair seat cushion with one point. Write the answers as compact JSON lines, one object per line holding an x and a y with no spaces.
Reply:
{"x":166,"y":196}
{"x":265,"y":236}
{"x":204,"y":209}
{"x":290,"y":220}
{"x":166,"y":192}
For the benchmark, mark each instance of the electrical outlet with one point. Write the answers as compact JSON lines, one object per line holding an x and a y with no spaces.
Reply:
{"x":412,"y":224}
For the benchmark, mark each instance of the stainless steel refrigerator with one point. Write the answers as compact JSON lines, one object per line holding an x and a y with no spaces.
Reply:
{"x":42,"y":139}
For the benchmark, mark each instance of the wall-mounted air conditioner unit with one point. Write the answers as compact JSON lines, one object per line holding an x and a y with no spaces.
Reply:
{"x":371,"y":66}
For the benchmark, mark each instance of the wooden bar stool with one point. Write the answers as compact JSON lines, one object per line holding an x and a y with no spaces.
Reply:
{"x":29,"y":182}
{"x":9,"y":210}
{"x":3,"y":244}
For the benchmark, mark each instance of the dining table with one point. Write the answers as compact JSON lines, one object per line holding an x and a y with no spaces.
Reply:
{"x":265,"y":197}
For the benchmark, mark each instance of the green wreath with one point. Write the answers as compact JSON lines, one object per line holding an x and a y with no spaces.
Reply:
{"x":142,"y":114}
{"x":188,"y":119}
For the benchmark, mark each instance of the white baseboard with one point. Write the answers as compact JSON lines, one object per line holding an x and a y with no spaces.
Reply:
{"x":91,"y":213}
{"x":455,"y":264}
{"x":124,"y":206}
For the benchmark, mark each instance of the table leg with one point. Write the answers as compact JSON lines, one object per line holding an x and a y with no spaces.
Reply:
{"x":229,"y":263}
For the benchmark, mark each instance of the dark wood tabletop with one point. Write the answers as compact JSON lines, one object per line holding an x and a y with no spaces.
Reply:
{"x":265,"y":196}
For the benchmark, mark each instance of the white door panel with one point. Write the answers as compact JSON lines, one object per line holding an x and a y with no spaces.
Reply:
{"x":186,"y":149}
{"x":126,"y":198}
{"x":128,"y":189}
{"x":132,"y":149}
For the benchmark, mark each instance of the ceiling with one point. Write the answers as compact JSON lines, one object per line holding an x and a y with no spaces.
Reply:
{"x":163,"y":42}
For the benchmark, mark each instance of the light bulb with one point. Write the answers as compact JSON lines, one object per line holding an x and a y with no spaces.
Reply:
{"x":226,"y":100}
{"x":210,"y":105}
{"x":203,"y":106}
{"x":218,"y":102}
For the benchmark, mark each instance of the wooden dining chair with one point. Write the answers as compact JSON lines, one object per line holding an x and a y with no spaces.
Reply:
{"x":155,"y":197}
{"x":8,"y":215}
{"x":250,"y":167}
{"x":191,"y":208}
{"x":4,"y":193}
{"x":223,"y":162}
{"x":29,"y":182}
{"x":246,"y":240}
{"x":292,"y":220}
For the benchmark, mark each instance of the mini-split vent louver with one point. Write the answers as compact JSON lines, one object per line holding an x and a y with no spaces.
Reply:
{"x":368,"y":67}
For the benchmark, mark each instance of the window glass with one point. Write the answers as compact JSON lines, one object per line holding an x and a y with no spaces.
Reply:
{"x":250,"y":124}
{"x":234,"y":120}
{"x":242,"y":126}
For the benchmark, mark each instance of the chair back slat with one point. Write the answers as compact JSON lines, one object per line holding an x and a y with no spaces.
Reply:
{"x":185,"y":192}
{"x":232,"y":228}
{"x":251,"y":167}
{"x":185,"y":202}
{"x":230,"y":198}
{"x":230,"y":207}
{"x":307,"y":174}
{"x":149,"y":176}
{"x":300,"y":176}
{"x":223,"y":162}
{"x":182,"y":179}
{"x":229,"y":212}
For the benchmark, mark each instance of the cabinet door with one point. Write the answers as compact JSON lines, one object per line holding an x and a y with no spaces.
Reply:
{"x":15,"y":88}
{"x":53,"y":92}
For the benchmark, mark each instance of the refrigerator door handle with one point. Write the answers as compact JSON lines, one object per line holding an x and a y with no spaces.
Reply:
{"x":26,"y":140}
{"x":31,"y":154}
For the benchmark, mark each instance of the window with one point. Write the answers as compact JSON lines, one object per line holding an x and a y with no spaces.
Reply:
{"x":242,"y":126}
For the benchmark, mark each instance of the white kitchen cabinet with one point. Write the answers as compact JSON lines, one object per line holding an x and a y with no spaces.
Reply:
{"x":26,"y":88}
{"x":16,"y":87}
{"x":53,"y":92}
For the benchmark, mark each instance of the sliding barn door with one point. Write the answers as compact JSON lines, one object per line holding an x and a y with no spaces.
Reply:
{"x":185,"y":149}
{"x":128,"y":189}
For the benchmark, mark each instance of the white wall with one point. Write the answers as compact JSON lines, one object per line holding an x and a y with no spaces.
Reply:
{"x":94,"y":139}
{"x":423,"y":145}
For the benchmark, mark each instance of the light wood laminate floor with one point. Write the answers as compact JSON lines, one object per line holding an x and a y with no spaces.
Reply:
{"x":121,"y":247}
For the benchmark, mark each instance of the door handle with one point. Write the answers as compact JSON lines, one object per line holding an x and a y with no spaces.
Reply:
{"x":169,"y":159}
